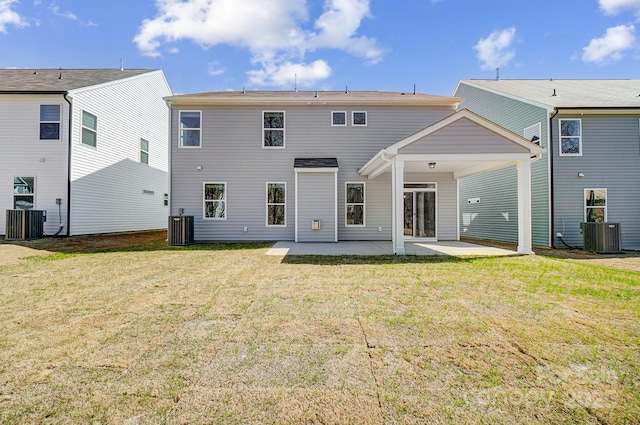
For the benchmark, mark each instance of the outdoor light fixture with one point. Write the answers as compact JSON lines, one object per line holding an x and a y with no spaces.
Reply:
{"x":432,"y":165}
{"x":580,"y":174}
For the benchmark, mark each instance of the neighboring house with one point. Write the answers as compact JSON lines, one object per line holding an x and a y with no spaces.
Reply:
{"x":589,"y":172}
{"x":330,"y":166}
{"x":88,"y":146}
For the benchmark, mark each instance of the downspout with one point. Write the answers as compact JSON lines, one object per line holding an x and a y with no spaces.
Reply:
{"x":551,"y":183}
{"x":69,"y":164}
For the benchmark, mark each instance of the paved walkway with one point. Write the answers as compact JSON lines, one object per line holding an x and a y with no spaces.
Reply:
{"x":452,"y":248}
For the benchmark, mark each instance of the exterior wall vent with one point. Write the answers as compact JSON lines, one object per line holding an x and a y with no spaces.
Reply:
{"x":180,"y":230}
{"x":603,"y":238}
{"x":23,"y":225}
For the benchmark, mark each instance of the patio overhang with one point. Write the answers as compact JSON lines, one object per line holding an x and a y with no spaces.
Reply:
{"x":463,"y":144}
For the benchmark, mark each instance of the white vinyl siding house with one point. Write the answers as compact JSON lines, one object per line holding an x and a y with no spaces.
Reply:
{"x":333,"y":164}
{"x":90,"y":179}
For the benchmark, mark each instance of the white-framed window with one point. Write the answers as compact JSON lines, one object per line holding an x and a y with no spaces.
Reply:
{"x":359,"y":118}
{"x":595,"y":205}
{"x":165,"y":200}
{"x":49,"y":122}
{"x":354,"y":204}
{"x":24,"y":193}
{"x":533,"y":133}
{"x":144,"y":151}
{"x":89,"y":129}
{"x":338,"y":118}
{"x":190,"y":123}
{"x":570,"y":137}
{"x":273,"y":129}
{"x":276,"y":204}
{"x":215,"y":201}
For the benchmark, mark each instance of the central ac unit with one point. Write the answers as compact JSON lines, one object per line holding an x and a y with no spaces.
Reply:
{"x":180,"y":230}
{"x":603,"y":238}
{"x":24,"y":225}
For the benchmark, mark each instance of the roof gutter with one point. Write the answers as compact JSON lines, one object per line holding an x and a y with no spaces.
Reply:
{"x":65,"y":94}
{"x":551,"y":178}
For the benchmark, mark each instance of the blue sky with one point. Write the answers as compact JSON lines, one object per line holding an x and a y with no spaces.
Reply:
{"x":212,"y":45}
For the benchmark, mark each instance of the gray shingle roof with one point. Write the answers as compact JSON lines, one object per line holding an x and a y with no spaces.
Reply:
{"x":315,"y":163}
{"x":569,"y":93}
{"x":49,"y":80}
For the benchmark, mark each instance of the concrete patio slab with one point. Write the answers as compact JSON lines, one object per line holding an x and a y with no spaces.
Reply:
{"x":452,"y":248}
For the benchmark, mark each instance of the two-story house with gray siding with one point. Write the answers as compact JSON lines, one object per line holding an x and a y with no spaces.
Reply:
{"x":87,"y":146}
{"x":332,"y":166}
{"x":590,"y":130}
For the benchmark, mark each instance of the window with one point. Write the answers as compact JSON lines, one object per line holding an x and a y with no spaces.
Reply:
{"x":165,"y":202}
{"x":273,"y":129}
{"x":24,"y":193}
{"x":144,"y":151}
{"x":49,"y":122}
{"x":359,"y":118}
{"x":190,"y":124}
{"x":338,"y":118}
{"x":533,"y":133}
{"x":89,"y":129}
{"x":354,"y":204}
{"x":276,"y":204}
{"x":595,"y":205}
{"x":570,"y":137}
{"x":215,"y":201}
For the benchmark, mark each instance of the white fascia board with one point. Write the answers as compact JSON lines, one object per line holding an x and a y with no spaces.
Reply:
{"x":492,"y":157}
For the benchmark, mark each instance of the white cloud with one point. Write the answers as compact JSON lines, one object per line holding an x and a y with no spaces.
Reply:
{"x":9,"y":17}
{"x":287,"y":74}
{"x":610,"y":46}
{"x":614,"y":7}
{"x":277,"y":33}
{"x":55,"y":9}
{"x":214,"y":69}
{"x":494,"y":51}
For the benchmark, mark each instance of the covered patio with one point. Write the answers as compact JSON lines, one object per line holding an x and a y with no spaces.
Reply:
{"x":364,"y":248}
{"x":461,"y":145}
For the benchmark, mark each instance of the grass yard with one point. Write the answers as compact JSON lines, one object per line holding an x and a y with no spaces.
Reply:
{"x":223,"y":334}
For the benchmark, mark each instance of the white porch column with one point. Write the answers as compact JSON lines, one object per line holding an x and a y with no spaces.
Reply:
{"x":397,"y":220}
{"x":524,"y":207}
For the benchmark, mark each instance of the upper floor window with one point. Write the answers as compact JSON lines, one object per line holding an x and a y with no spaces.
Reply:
{"x":89,"y":129}
{"x":49,"y":122}
{"x":215,"y":201}
{"x":570,"y":137}
{"x":24,"y":189}
{"x":144,"y":151}
{"x":339,"y":118}
{"x":276,"y":204}
{"x":595,"y":205}
{"x":190,"y":129}
{"x":273,"y":129}
{"x":359,"y":118}
{"x":354,"y":204}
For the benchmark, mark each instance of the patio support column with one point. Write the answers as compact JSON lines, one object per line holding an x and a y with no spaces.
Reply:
{"x":397,"y":220}
{"x":524,"y":207}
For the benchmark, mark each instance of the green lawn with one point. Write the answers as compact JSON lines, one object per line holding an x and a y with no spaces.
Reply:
{"x":219,"y":334}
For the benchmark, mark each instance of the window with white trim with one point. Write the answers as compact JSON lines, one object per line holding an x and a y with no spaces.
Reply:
{"x":49,"y":122}
{"x":276,"y":204}
{"x":570,"y":137}
{"x":24,"y":191}
{"x":354,"y":204}
{"x":359,"y":118}
{"x":89,"y":129}
{"x":190,"y":129}
{"x":273,"y":129}
{"x":144,"y":151}
{"x":338,"y":118}
{"x":595,"y":205}
{"x":215,"y":201}
{"x":533,"y":133}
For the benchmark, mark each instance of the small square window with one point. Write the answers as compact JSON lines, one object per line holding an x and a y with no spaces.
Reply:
{"x":338,"y":118}
{"x":359,"y":118}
